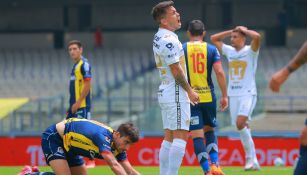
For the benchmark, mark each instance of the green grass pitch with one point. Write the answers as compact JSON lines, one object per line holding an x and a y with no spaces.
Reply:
{"x":13,"y":170}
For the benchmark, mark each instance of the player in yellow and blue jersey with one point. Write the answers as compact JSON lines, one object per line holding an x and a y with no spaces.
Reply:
{"x":80,"y":83}
{"x":201,"y":58}
{"x":64,"y":143}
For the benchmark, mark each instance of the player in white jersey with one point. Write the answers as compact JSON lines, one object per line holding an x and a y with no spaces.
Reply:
{"x":175,"y":94}
{"x":242,"y":91}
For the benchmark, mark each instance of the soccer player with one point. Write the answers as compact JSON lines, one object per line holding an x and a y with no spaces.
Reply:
{"x":276,"y":81}
{"x":242,"y":91}
{"x":201,"y":57}
{"x":174,"y":91}
{"x":64,"y":143}
{"x":80,"y":83}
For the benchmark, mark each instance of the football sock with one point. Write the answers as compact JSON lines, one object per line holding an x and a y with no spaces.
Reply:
{"x":253,"y":149}
{"x":163,"y":156}
{"x":176,"y":154}
{"x":247,"y":142}
{"x":202,"y":155}
{"x":212,"y":148}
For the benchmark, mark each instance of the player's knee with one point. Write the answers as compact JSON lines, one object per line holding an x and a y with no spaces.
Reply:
{"x":240,"y":125}
{"x":208,"y":128}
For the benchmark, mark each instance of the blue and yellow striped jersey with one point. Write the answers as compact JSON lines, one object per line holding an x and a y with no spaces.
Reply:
{"x":89,"y":138}
{"x":80,"y":72}
{"x":200,"y":57}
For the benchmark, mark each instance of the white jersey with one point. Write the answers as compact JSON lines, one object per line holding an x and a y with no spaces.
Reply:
{"x":242,"y":70}
{"x":168,"y":50}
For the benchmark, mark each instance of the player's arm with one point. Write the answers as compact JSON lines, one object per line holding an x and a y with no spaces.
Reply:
{"x":128,"y":168}
{"x":221,"y":79}
{"x":113,"y":163}
{"x":282,"y":75}
{"x":182,"y":81}
{"x":256,"y":37}
{"x":217,"y":39}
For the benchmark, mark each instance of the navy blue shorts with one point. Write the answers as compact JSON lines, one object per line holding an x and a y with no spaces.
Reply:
{"x":203,"y":114}
{"x":53,"y":148}
{"x":81,"y":113}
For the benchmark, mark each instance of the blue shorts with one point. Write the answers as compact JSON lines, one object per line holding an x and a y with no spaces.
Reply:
{"x":81,"y":113}
{"x":53,"y":148}
{"x":203,"y":114}
{"x":306,"y":121}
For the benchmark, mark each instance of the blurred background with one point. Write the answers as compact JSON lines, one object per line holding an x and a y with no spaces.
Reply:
{"x":117,"y":39}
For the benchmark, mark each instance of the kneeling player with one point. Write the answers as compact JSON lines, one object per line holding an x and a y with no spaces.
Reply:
{"x":64,"y":143}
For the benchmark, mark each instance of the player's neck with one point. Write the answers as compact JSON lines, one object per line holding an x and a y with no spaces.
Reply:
{"x":77,"y":60}
{"x":238,"y":48}
{"x":167,"y":27}
{"x":196,"y":39}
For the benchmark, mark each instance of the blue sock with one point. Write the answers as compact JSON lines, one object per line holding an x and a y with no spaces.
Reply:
{"x":41,"y":173}
{"x":212,"y":148}
{"x":302,"y":162}
{"x":202,"y":155}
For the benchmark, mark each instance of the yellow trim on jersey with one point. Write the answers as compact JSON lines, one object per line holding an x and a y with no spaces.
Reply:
{"x":79,"y":83}
{"x":197,"y":66}
{"x":76,"y":140}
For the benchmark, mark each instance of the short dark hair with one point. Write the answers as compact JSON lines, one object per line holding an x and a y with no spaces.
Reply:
{"x":239,"y":31}
{"x":159,"y":10}
{"x":77,"y":42}
{"x":196,"y":27}
{"x":128,"y":129}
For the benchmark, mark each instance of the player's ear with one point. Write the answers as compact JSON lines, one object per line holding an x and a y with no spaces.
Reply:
{"x":204,"y":34}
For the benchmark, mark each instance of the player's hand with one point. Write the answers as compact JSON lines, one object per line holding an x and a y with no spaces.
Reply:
{"x":193,"y":96}
{"x":241,"y":28}
{"x":278,"y":79}
{"x":223,"y":103}
{"x":75,"y":107}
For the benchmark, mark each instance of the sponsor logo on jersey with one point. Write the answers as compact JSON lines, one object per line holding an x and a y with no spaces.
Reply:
{"x":170,"y":46}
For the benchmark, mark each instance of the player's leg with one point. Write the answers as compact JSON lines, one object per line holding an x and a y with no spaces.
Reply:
{"x":52,"y":146}
{"x":300,"y":168}
{"x":78,"y":170}
{"x":179,"y":119}
{"x":197,"y":133}
{"x":76,"y":164}
{"x":209,"y":113}
{"x":60,"y":167}
{"x":167,"y":141}
{"x":245,"y":108}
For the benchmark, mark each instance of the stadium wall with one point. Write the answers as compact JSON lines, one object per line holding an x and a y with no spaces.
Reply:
{"x":27,"y":151}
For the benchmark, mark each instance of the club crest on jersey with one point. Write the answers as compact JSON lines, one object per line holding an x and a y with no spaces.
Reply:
{"x":170,"y":46}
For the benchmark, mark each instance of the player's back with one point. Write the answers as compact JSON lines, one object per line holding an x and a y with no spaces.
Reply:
{"x":200,"y":57}
{"x":86,"y":137}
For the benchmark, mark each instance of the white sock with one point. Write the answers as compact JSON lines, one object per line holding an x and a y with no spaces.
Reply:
{"x":247,"y":142}
{"x":176,"y":154}
{"x":163,"y":156}
{"x":253,"y":148}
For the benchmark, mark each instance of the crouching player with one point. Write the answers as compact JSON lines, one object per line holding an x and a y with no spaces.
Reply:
{"x":64,"y":143}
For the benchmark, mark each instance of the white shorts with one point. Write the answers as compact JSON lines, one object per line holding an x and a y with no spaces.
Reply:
{"x":176,"y":115}
{"x":241,"y":105}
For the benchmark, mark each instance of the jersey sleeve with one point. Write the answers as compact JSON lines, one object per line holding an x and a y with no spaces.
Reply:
{"x":225,"y":49}
{"x":104,"y":143}
{"x":86,"y":70}
{"x":121,"y":156}
{"x":253,"y":53}
{"x":169,"y":51}
{"x":215,"y":54}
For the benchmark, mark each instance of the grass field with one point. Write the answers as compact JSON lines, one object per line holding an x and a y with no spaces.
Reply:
{"x":103,"y":170}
